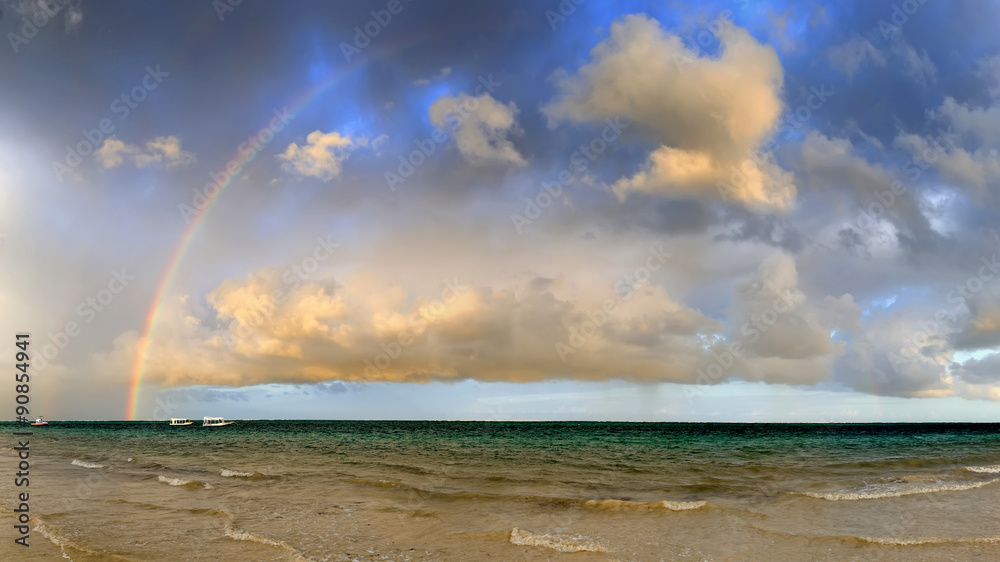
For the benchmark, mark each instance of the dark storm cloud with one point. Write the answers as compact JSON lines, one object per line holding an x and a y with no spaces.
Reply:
{"x":979,"y":371}
{"x":768,"y":229}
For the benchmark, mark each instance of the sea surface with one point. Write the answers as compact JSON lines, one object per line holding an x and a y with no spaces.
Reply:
{"x":360,"y":490}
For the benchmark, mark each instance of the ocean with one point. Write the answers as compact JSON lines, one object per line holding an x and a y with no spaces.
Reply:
{"x":408,"y":490}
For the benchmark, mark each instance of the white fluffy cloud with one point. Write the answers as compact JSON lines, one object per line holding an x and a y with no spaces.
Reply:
{"x":362,"y":328}
{"x":711,"y":115}
{"x":114,"y":153}
{"x":480,"y":126}
{"x":321,"y":156}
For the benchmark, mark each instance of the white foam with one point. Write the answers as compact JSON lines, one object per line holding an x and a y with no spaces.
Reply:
{"x":173,"y":481}
{"x":624,"y":504}
{"x":64,"y":544}
{"x":241,"y":535}
{"x":41,"y":529}
{"x":236,"y":474}
{"x":682,"y":506}
{"x":899,"y":491}
{"x":86,"y":464}
{"x":995,"y":469}
{"x":562,"y":543}
{"x":929,"y":540}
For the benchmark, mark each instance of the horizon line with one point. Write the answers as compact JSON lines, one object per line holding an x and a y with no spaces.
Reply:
{"x":537,"y":421}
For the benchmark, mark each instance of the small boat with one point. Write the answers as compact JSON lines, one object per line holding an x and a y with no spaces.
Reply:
{"x":180,"y":422}
{"x":40,"y":421}
{"x":215,"y":422}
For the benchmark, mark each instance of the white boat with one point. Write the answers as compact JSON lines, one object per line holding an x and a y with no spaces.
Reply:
{"x":215,"y":422}
{"x":40,"y":421}
{"x":180,"y":422}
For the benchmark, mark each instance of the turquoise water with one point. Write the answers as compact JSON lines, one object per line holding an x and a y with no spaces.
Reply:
{"x":330,"y":490}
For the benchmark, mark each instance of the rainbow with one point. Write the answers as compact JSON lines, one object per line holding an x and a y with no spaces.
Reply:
{"x":139,"y":363}
{"x":309,"y":96}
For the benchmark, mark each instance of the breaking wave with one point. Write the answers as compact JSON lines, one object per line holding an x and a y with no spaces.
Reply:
{"x":562,"y":543}
{"x":239,"y":474}
{"x":889,"y":541}
{"x":186,"y":483}
{"x":238,"y":534}
{"x":665,"y":504}
{"x":66,"y":546}
{"x":86,"y":464}
{"x":897,"y":491}
{"x":995,"y":469}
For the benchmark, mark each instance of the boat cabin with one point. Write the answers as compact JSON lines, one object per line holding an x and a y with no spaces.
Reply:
{"x":215,"y":422}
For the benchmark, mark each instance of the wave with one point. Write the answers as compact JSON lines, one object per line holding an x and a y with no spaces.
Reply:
{"x":86,"y":464}
{"x":988,"y":469}
{"x":145,"y":464}
{"x":895,"y":492}
{"x":886,"y":541}
{"x":624,"y":504}
{"x":238,"y":534}
{"x":173,"y":481}
{"x":911,"y":479}
{"x":562,"y":543}
{"x":380,"y":483}
{"x":889,"y":541}
{"x":138,"y":504}
{"x":240,"y":474}
{"x":609,"y":504}
{"x":187,"y":483}
{"x":45,"y":531}
{"x":64,"y":544}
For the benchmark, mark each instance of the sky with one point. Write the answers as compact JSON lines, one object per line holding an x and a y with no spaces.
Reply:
{"x":527,"y":210}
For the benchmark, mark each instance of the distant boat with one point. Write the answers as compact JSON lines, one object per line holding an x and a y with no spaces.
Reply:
{"x":40,"y":421}
{"x":180,"y":422}
{"x":215,"y":422}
